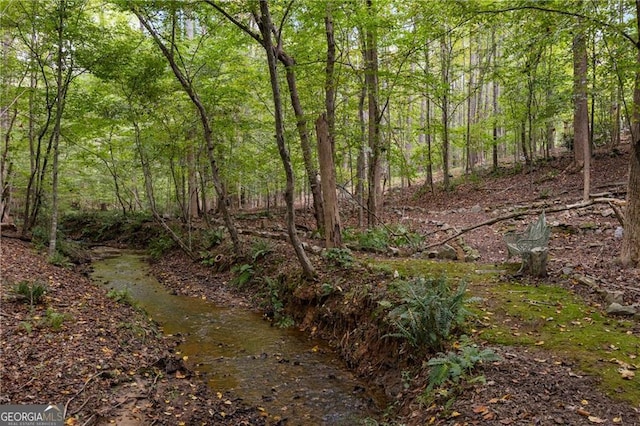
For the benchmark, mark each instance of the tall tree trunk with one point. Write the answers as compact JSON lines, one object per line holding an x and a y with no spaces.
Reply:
{"x":581,"y":113}
{"x":494,"y":100}
{"x":361,"y":167}
{"x":265,"y":28}
{"x":62,"y":83}
{"x":630,"y":253}
{"x":305,"y":143}
{"x":375,"y":145}
{"x":332,"y":227}
{"x":445,"y":53}
{"x":581,"y":145}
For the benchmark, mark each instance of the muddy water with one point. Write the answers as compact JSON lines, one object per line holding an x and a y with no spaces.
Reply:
{"x":279,"y":370}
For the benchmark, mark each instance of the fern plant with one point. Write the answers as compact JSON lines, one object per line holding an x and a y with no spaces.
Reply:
{"x":428,"y":313}
{"x":457,"y":366}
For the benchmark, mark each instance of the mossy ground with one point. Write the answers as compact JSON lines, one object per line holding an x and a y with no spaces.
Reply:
{"x":545,"y":316}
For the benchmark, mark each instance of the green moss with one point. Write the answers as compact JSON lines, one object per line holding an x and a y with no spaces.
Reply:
{"x":548,"y":317}
{"x":471,"y":272}
{"x":554,"y":319}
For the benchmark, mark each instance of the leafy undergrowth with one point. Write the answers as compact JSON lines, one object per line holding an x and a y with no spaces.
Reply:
{"x":546,"y":317}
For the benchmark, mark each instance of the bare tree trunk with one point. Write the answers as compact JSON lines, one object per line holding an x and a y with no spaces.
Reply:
{"x":332,"y":227}
{"x":375,"y":163}
{"x":362,"y":156}
{"x":630,"y":253}
{"x":265,"y":28}
{"x":581,"y":113}
{"x":445,"y":60}
{"x":581,"y":145}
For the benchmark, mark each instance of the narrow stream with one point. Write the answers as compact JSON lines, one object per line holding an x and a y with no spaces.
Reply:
{"x":281,"y":370}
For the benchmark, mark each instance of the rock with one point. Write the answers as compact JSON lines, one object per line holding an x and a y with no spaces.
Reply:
{"x":393,"y":251}
{"x":618,"y":309}
{"x":476,"y":209}
{"x":588,"y":281}
{"x":472,"y":255}
{"x":618,"y":232}
{"x":446,"y":252}
{"x":614,"y":297}
{"x":567,"y":270}
{"x":316,"y":249}
{"x":607,"y":213}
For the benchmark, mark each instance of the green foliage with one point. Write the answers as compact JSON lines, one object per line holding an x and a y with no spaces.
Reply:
{"x":455,"y":366}
{"x":59,"y":259}
{"x":429,"y":312}
{"x":380,"y":238}
{"x":54,"y":319}
{"x":274,"y":292}
{"x":339,"y":257}
{"x":33,"y":292}
{"x":160,"y":245}
{"x":244,"y":274}
{"x":213,"y":237}
{"x":260,"y":249}
{"x":121,"y":296}
{"x":28,"y":327}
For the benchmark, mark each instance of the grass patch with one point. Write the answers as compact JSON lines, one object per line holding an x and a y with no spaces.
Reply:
{"x":554,"y":319}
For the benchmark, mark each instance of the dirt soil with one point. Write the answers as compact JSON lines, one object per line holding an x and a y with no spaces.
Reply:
{"x":84,"y":365}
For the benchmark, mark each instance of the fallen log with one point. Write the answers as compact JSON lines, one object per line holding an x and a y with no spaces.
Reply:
{"x":536,"y":211}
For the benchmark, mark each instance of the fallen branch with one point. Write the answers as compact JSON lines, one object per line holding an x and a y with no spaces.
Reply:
{"x":579,"y":205}
{"x":66,"y":406}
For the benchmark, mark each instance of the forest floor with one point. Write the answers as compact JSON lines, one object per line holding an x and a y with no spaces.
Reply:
{"x":106,"y":362}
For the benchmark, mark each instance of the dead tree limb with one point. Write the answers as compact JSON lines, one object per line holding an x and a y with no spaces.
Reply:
{"x":537,"y":211}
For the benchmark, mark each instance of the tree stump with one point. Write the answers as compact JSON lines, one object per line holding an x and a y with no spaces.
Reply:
{"x":535,"y":262}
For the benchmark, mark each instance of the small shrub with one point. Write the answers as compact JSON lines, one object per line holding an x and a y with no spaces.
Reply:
{"x":339,"y":257}
{"x":276,"y":304}
{"x":243,"y":272}
{"x":260,"y":249}
{"x":160,"y":245}
{"x":428,"y":313}
{"x":121,"y":296}
{"x":449,"y":371}
{"x":59,"y":259}
{"x":55,"y":319}
{"x":33,"y":292}
{"x":458,"y":365}
{"x":213,"y":237}
{"x":28,"y":327}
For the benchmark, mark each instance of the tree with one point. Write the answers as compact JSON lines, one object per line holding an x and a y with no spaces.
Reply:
{"x":170,"y":52}
{"x":266,"y":29}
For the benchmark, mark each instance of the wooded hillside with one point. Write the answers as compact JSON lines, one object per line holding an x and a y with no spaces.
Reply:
{"x":171,"y":107}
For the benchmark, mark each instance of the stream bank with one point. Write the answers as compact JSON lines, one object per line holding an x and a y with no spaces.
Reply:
{"x":290,"y":378}
{"x":104,"y":360}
